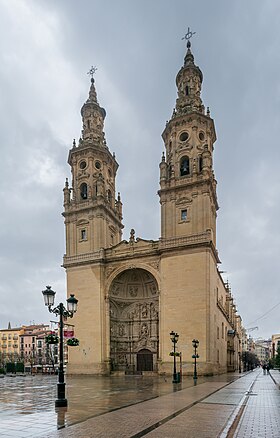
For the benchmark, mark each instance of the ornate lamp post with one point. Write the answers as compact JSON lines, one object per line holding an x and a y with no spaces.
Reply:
{"x":195,"y":356}
{"x":174,"y":339}
{"x":63,"y":313}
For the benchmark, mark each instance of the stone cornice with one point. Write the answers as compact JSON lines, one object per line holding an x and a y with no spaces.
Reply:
{"x":143,"y":248}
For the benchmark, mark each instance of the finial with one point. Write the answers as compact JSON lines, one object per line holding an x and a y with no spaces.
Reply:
{"x":132,"y":235}
{"x":74,"y":143}
{"x":208,"y":111}
{"x":163,"y":157}
{"x":66,"y":183}
{"x":188,"y":36}
{"x":91,"y":72}
{"x":119,"y":197}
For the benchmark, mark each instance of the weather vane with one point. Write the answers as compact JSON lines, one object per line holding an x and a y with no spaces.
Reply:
{"x":188,"y":36}
{"x":92,"y":71}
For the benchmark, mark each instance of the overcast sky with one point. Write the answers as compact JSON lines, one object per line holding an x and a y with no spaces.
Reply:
{"x":46,"y":49}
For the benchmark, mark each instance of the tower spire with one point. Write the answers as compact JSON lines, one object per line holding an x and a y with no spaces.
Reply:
{"x":92,"y":92}
{"x":93,"y":115}
{"x":188,"y":81}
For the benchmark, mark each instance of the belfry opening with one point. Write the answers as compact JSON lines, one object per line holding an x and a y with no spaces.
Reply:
{"x":134,"y":321}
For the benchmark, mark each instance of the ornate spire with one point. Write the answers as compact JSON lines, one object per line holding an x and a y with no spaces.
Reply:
{"x":93,"y":115}
{"x":92,"y":97}
{"x":188,"y":81}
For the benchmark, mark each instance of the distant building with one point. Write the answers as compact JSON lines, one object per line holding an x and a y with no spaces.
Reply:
{"x":10,"y":344}
{"x":133,"y":293}
{"x":29,"y":347}
{"x":275,"y":344}
{"x":262,"y":350}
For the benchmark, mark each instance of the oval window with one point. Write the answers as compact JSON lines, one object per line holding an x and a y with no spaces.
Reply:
{"x":97,"y":164}
{"x":83,"y":164}
{"x":201,"y":136}
{"x":184,"y":136}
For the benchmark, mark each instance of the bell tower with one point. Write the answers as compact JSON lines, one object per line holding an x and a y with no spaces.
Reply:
{"x":93,"y":217}
{"x":187,"y":183}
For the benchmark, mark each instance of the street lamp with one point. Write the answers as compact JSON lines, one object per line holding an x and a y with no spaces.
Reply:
{"x":174,"y":339}
{"x":195,"y":356}
{"x":63,"y":313}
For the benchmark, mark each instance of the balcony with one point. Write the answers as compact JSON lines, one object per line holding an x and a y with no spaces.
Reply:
{"x":4,"y":346}
{"x":4,"y":337}
{"x":15,"y":337}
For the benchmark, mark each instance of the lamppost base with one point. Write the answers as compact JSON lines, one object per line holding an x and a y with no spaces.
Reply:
{"x":61,"y":403}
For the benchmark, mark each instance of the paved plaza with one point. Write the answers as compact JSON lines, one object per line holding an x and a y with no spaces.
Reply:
{"x":230,"y":406}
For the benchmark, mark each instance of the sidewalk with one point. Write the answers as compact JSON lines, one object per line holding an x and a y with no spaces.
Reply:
{"x":191,"y":412}
{"x":207,"y":410}
{"x":261,"y":416}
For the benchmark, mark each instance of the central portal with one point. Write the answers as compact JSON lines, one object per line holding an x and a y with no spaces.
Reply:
{"x":134,"y":331}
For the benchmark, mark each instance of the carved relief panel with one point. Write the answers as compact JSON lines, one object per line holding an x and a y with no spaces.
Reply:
{"x":134,"y":318}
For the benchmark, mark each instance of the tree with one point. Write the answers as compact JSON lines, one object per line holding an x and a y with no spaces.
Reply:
{"x":250,"y":360}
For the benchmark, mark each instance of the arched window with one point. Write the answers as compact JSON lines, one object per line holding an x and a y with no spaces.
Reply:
{"x":187,"y":90}
{"x":200,"y":163}
{"x":88,"y":124}
{"x":185,"y":166}
{"x":84,"y":191}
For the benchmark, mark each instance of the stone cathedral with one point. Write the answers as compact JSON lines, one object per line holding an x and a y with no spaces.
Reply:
{"x":132,"y":294}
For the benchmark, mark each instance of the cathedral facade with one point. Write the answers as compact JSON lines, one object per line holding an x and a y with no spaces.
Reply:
{"x":132,"y":294}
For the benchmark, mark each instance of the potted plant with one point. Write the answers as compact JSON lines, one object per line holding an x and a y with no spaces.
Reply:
{"x":73,"y":342}
{"x":52,"y":338}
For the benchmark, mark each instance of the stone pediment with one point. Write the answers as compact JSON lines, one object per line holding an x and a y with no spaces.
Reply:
{"x":134,"y":246}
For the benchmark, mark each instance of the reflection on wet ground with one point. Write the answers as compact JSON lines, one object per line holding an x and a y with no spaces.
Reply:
{"x":27,"y":403}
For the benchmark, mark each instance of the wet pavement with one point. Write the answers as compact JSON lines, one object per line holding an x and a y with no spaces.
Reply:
{"x":134,"y":406}
{"x":27,"y":402}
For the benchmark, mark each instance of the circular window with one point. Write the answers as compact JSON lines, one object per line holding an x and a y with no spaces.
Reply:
{"x":201,"y":136}
{"x":97,"y":164}
{"x":184,"y":136}
{"x":83,"y":164}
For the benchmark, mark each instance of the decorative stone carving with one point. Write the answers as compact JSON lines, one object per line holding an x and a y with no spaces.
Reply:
{"x":144,"y":310}
{"x":115,"y":289}
{"x":121,"y":330}
{"x":133,"y":298}
{"x":109,"y":271}
{"x":155,"y":265}
{"x":133,"y":291}
{"x":153,"y":289}
{"x":132,"y":236}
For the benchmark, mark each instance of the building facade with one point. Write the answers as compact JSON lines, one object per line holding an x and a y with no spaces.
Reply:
{"x":10,"y":344}
{"x":132,"y":294}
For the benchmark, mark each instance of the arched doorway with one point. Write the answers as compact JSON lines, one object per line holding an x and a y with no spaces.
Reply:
{"x":134,"y":331}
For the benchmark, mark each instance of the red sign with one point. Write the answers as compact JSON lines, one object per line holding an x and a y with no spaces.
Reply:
{"x":68,"y":333}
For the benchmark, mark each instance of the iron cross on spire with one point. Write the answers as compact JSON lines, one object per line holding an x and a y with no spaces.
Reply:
{"x":188,"y":36}
{"x":92,"y":71}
